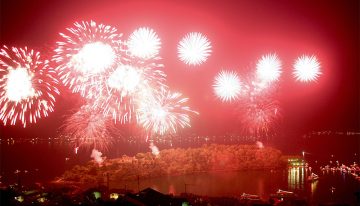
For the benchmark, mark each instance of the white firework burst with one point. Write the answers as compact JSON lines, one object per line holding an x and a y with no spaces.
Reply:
{"x":85,"y":53}
{"x":28,"y":86}
{"x":144,"y":43}
{"x":227,"y":86}
{"x":93,"y":58}
{"x":306,"y":68}
{"x":194,"y":49}
{"x":268,"y":68}
{"x":164,"y":112}
{"x":125,"y":79}
{"x":127,"y":85}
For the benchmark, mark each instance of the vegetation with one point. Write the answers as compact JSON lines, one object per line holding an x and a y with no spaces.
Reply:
{"x":178,"y":161}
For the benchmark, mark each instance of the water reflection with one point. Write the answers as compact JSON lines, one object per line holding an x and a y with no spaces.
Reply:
{"x":296,"y":178}
{"x":313,"y":187}
{"x":213,"y":184}
{"x":262,"y":183}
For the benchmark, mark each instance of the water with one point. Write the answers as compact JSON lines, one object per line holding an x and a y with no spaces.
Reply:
{"x":44,"y":161}
{"x":262,"y":183}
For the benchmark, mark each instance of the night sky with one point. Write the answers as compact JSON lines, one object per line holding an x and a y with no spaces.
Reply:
{"x":240,"y":33}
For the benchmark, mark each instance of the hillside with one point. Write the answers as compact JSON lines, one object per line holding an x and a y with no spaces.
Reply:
{"x":177,"y":162}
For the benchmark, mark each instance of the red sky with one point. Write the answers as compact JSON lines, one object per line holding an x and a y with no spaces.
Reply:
{"x":240,"y":32}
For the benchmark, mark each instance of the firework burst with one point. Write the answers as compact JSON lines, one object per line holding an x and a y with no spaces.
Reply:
{"x":194,"y":49}
{"x":28,"y":86}
{"x":144,"y":43}
{"x":268,"y":68}
{"x":306,"y":68}
{"x":86,"y":52}
{"x":88,"y":127}
{"x":253,"y":87}
{"x":127,"y":85}
{"x":259,"y":116}
{"x":227,"y":86}
{"x":164,"y":113}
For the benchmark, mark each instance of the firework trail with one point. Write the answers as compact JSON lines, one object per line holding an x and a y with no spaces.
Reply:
{"x":194,"y":49}
{"x":164,"y":113}
{"x":28,"y":86}
{"x":306,"y":68}
{"x":76,"y":150}
{"x":85,"y":53}
{"x":88,"y":127}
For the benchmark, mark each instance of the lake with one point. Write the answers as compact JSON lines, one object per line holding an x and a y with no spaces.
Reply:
{"x":262,"y":183}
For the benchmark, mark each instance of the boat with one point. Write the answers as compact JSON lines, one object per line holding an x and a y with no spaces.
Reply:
{"x":284,"y":193}
{"x":313,"y":177}
{"x":245,"y":196}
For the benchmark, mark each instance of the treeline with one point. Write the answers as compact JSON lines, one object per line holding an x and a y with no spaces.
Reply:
{"x":178,"y":161}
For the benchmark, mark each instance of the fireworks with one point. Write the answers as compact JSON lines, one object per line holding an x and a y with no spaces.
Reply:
{"x":144,"y":43}
{"x":194,"y":49}
{"x":127,"y":80}
{"x":227,"y":86}
{"x":306,"y":68}
{"x":18,"y":85}
{"x":93,"y":58}
{"x":253,"y":87}
{"x":259,"y":116}
{"x":87,"y":51}
{"x":124,"y":79}
{"x":28,"y":86}
{"x":268,"y":68}
{"x":126,"y":86}
{"x":88,"y":127}
{"x":164,"y":113}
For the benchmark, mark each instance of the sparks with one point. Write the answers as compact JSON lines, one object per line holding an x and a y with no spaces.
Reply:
{"x":227,"y":86}
{"x":28,"y":86}
{"x":268,"y":68}
{"x":144,"y":43}
{"x":306,"y":68}
{"x":194,"y":49}
{"x":164,"y":113}
{"x":93,"y":58}
{"x":18,"y":86}
{"x":87,"y":127}
{"x":85,"y":53}
{"x":125,"y":79}
{"x":128,"y":85}
{"x":259,"y":116}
